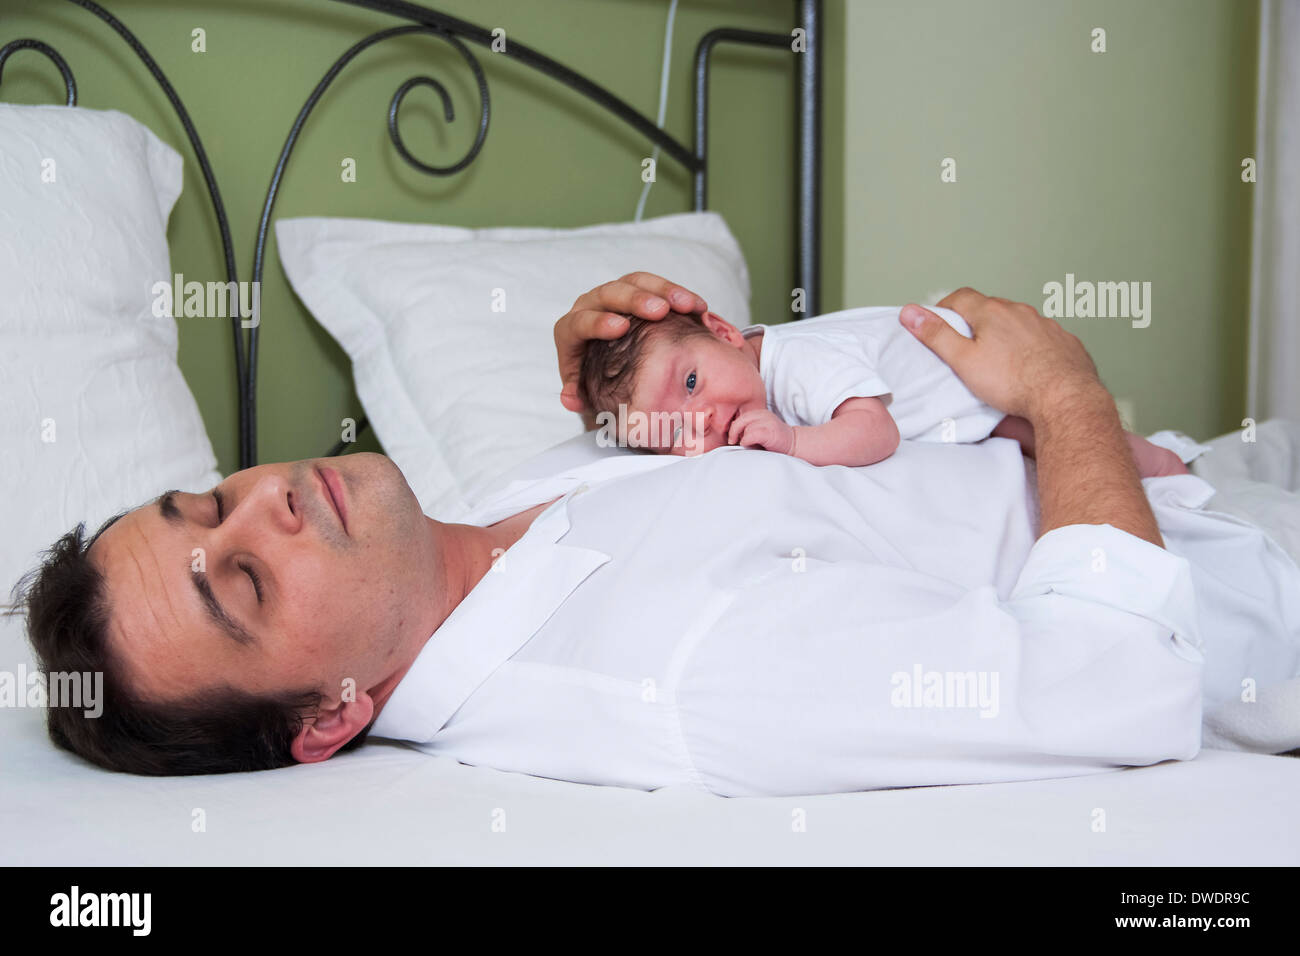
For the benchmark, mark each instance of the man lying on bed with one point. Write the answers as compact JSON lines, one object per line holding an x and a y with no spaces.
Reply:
{"x":740,"y":621}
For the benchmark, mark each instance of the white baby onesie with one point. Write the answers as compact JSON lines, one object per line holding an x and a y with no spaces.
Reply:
{"x":810,"y":366}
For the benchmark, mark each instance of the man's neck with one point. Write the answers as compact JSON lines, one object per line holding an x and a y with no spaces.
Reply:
{"x":465,"y":554}
{"x":753,"y":346}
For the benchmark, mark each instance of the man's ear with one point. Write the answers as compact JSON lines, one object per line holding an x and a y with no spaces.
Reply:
{"x":723,"y":329}
{"x":333,"y":727}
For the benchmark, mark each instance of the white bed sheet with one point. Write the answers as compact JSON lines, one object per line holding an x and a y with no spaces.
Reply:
{"x":389,"y":804}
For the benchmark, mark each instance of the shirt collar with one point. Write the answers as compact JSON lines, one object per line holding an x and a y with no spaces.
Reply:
{"x":512,"y":601}
{"x":498,"y":616}
{"x":523,"y":493}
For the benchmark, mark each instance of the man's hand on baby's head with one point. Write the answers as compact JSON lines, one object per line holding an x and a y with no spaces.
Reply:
{"x":601,"y":314}
{"x":762,"y":428}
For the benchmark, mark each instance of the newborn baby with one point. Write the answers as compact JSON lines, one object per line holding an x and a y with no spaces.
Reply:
{"x":838,"y":389}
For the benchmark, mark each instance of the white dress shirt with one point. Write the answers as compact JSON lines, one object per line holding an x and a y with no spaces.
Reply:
{"x":812,"y":366}
{"x":746,"y":623}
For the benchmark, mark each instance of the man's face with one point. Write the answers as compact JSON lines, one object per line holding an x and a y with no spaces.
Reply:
{"x":701,"y":383}
{"x":285,"y":577}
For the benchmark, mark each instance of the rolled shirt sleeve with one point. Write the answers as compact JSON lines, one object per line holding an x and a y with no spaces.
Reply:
{"x":1111,"y":634}
{"x":849,"y":675}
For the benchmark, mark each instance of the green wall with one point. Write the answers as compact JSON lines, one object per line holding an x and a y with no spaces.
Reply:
{"x":1116,"y":166}
{"x":1123,"y":165}
{"x":550,"y":158}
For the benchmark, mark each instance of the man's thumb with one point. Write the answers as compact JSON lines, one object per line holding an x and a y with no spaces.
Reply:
{"x":571,"y":397}
{"x":933,"y":331}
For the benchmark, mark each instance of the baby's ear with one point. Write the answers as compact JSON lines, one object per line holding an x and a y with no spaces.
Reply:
{"x":723,"y":329}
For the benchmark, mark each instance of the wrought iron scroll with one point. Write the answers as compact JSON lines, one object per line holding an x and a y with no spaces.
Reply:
{"x":26,"y":43}
{"x":264,"y":223}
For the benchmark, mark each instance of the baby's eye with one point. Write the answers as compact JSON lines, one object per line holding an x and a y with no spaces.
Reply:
{"x":690,"y":382}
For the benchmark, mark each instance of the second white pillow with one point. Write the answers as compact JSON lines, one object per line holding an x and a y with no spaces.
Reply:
{"x":450,"y":330}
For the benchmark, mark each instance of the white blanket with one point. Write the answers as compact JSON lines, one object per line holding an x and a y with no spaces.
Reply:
{"x":1256,"y":476}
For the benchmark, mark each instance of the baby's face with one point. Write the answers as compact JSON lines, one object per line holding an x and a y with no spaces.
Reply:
{"x":691,"y":391}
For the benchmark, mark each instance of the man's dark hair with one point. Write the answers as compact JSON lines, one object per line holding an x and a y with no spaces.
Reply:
{"x":610,"y":367}
{"x":221,"y":730}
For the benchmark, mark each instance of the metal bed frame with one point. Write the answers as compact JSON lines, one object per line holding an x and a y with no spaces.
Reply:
{"x":246,"y":328}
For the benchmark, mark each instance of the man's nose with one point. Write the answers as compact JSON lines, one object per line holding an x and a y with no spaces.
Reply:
{"x":269,"y":503}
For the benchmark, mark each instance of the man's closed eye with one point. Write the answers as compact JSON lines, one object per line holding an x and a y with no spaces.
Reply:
{"x":243,"y":566}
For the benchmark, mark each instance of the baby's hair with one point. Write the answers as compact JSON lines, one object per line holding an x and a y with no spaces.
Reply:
{"x":610,"y":367}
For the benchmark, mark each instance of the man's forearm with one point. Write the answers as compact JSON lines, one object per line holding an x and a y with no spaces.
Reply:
{"x":1086,"y":472}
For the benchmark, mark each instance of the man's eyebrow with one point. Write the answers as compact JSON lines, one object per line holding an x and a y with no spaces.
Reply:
{"x":167,"y":507}
{"x":229,"y":625}
{"x":232,"y":628}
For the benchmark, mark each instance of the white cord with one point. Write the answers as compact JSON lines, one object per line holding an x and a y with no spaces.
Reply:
{"x":663,"y":103}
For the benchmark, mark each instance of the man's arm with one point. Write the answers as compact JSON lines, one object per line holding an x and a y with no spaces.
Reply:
{"x":1024,"y":364}
{"x":1086,"y":473}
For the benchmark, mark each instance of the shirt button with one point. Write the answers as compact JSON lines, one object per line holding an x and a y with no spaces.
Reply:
{"x":580,"y":489}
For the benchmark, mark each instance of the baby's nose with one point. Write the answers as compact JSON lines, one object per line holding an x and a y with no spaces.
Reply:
{"x":709,"y":419}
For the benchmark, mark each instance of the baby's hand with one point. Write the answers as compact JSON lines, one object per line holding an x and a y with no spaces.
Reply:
{"x":762,"y":428}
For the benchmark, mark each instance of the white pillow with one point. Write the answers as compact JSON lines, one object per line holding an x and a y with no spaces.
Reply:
{"x":450,"y":330}
{"x":97,"y":417}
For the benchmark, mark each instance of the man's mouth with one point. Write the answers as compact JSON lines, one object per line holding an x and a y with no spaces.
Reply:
{"x":333,"y":494}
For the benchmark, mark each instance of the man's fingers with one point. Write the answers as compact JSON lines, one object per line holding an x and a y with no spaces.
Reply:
{"x":593,"y":324}
{"x":963,"y":300}
{"x":571,"y":399}
{"x":681,"y":299}
{"x":622,"y":296}
{"x":642,"y":294}
{"x":940,"y":337}
{"x":571,"y":336}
